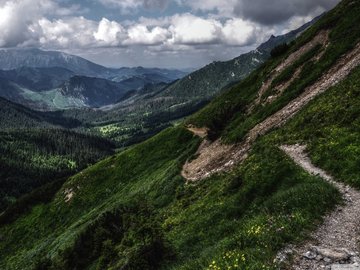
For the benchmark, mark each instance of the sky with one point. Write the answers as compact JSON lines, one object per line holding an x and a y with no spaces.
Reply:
{"x":152,"y":33}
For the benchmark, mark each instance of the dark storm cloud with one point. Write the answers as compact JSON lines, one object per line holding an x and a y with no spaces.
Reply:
{"x":271,"y":12}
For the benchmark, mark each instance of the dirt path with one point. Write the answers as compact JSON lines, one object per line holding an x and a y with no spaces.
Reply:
{"x":334,"y":244}
{"x":216,"y":157}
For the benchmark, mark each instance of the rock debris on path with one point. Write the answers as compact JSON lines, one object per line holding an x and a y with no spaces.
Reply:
{"x":335,"y":243}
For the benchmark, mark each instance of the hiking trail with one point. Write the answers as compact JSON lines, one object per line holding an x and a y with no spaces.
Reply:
{"x":334,"y":245}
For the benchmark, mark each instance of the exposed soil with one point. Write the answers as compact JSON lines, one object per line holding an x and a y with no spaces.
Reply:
{"x":334,"y":245}
{"x":201,"y":132}
{"x":217,"y":157}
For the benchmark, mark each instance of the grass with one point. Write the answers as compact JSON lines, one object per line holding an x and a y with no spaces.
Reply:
{"x":101,"y":188}
{"x":253,"y":211}
{"x":330,"y":126}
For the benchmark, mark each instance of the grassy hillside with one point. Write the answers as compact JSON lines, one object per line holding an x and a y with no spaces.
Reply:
{"x":135,"y":211}
{"x":247,"y":214}
{"x":331,"y":127}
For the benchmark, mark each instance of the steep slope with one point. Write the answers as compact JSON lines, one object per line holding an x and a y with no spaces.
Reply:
{"x":217,"y":157}
{"x":135,"y":211}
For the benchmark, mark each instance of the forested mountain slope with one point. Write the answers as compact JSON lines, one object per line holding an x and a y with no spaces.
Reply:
{"x":38,"y":148}
{"x":134,"y":210}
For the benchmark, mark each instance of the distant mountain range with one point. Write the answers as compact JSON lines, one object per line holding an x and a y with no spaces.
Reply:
{"x":49,"y":80}
{"x":35,"y":58}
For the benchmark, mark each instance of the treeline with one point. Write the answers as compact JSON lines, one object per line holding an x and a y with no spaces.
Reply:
{"x":30,"y":158}
{"x":17,"y":116}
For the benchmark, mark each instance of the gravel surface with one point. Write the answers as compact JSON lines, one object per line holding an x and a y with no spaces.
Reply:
{"x":335,"y":243}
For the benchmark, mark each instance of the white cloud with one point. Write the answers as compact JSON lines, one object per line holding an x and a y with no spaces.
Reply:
{"x":189,"y":29}
{"x":16,"y":18}
{"x":141,"y":35}
{"x":72,"y":32}
{"x":109,"y":33}
{"x":239,"y":32}
{"x":173,"y":33}
{"x":20,"y":20}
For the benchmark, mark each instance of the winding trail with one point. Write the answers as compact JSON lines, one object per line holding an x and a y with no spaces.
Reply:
{"x":334,"y":245}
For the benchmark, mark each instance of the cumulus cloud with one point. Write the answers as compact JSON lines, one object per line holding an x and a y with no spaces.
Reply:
{"x":109,"y":33}
{"x":142,"y":35}
{"x":189,"y":29}
{"x":77,"y":32}
{"x":16,"y":18}
{"x":72,"y":32}
{"x":239,"y":32}
{"x":22,"y":21}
